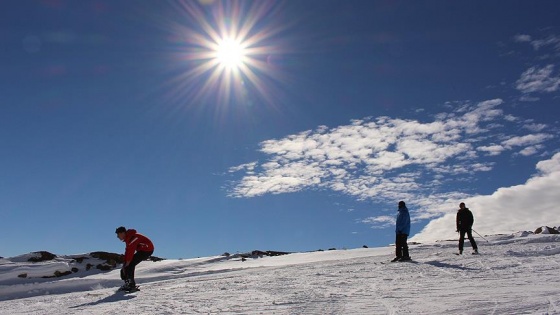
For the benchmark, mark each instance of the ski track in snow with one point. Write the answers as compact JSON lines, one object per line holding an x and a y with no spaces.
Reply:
{"x":512,"y":276}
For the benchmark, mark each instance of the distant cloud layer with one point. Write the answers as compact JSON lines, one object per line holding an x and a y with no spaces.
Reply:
{"x":385,"y":158}
{"x":521,"y":207}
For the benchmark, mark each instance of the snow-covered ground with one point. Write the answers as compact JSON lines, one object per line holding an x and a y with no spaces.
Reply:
{"x":515,"y":274}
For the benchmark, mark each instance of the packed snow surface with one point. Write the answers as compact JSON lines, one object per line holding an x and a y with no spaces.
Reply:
{"x":514,"y":274}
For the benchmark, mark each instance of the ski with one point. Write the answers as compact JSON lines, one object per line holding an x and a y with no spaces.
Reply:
{"x":399,"y":261}
{"x":129,"y":290}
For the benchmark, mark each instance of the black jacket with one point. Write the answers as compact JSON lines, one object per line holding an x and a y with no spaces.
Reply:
{"x":465,"y":219}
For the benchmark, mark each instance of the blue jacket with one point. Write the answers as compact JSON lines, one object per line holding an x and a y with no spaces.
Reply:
{"x":403,"y":221}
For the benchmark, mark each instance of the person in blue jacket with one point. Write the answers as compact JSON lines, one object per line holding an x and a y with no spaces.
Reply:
{"x":402,"y":230}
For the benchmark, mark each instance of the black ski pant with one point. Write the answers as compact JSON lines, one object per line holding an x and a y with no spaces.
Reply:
{"x":401,"y":247}
{"x":127,"y":273}
{"x":462,"y":239}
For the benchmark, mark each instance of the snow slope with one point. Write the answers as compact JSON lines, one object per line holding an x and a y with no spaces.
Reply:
{"x":515,"y":274}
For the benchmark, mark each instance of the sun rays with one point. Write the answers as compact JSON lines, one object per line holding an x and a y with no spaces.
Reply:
{"x":224,"y":51}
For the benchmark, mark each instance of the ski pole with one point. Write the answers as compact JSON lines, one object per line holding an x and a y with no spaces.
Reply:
{"x":481,"y":236}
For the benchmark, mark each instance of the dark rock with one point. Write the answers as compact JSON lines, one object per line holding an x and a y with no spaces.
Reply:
{"x":110,"y":258}
{"x":538,"y":230}
{"x":104,"y":267}
{"x":550,"y":230}
{"x":226,"y":254}
{"x":74,"y":269}
{"x":58,"y":274}
{"x":23,"y":275}
{"x":257,"y":253}
{"x":88,"y":267}
{"x":260,"y":254}
{"x":80,"y":259}
{"x":365,"y":246}
{"x":62,"y":273}
{"x":44,"y":256}
{"x":275,"y":253}
{"x":154,"y":258}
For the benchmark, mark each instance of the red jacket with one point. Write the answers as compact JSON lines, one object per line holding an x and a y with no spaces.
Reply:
{"x":136,"y":242}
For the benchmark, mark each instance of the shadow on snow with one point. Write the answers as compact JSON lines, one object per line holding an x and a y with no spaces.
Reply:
{"x":445,"y":265}
{"x":116,"y":297}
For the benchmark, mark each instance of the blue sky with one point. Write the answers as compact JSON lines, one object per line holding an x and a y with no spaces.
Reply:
{"x":125,"y":113}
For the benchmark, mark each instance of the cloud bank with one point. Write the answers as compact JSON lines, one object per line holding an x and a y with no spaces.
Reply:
{"x":386,"y":159}
{"x":510,"y":209}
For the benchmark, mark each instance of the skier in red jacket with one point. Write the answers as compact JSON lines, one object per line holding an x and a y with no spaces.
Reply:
{"x":138,"y":248}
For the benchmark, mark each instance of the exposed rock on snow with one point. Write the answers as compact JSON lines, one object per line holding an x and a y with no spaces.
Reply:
{"x":546,"y":230}
{"x":42,"y":256}
{"x":43,"y":264}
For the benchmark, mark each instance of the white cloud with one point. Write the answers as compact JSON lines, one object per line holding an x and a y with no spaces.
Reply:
{"x":522,"y":38}
{"x":492,"y":149}
{"x":529,"y":98}
{"x":482,"y":167}
{"x":379,"y":222}
{"x":550,"y":166}
{"x":248,"y":167}
{"x":534,"y":127}
{"x":552,"y":40}
{"x":509,"y":209}
{"x":537,"y":79}
{"x":385,"y":158}
{"x":529,"y":151}
{"x":526,"y":140}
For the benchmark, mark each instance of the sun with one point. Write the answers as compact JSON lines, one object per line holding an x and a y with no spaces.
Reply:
{"x":230,"y":53}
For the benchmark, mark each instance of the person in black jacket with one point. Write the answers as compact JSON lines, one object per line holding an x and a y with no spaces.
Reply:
{"x":465,"y":222}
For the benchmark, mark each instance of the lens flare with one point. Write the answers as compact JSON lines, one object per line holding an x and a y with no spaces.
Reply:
{"x":223,"y":52}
